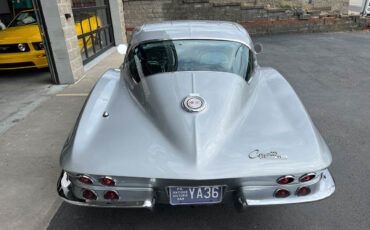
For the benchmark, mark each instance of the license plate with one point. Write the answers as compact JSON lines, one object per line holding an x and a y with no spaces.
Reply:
{"x":195,"y":195}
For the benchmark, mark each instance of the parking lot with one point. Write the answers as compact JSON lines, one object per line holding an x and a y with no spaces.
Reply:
{"x":330,"y":73}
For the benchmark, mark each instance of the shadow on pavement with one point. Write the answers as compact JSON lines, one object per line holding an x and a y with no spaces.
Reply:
{"x":164,"y":217}
{"x":34,"y":75}
{"x":222,"y":216}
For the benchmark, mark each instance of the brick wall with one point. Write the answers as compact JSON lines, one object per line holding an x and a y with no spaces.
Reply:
{"x":258,"y":16}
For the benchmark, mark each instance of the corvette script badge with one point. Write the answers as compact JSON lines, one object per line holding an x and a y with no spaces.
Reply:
{"x":266,"y":156}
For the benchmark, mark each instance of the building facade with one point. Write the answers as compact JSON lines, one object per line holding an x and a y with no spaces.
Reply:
{"x":77,"y":32}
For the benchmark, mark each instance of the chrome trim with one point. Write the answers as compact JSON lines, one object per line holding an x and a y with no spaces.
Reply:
{"x":287,"y":176}
{"x":108,"y":177}
{"x":307,"y":174}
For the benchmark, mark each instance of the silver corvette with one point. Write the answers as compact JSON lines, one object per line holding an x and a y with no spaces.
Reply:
{"x":191,"y":118}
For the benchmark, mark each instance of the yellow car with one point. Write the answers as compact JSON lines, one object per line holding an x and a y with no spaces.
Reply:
{"x":21,"y":44}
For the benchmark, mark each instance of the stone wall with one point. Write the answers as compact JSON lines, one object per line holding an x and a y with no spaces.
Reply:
{"x":331,"y":5}
{"x":258,"y":16}
{"x":122,"y":22}
{"x":63,"y":40}
{"x":118,"y":21}
{"x":70,"y":35}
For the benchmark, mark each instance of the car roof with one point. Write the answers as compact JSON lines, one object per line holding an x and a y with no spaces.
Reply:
{"x":176,"y":30}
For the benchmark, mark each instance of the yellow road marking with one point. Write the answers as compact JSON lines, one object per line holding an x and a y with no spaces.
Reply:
{"x":72,"y":95}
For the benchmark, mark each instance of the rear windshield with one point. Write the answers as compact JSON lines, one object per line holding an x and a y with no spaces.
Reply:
{"x":189,"y":55}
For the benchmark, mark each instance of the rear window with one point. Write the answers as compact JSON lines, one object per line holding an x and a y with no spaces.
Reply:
{"x":189,"y":55}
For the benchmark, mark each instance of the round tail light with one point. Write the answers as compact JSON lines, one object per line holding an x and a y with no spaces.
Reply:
{"x":88,"y":194}
{"x":285,"y":180}
{"x":281,"y":193}
{"x":107,"y":181}
{"x":303,"y":191}
{"x":307,"y":177}
{"x":111,"y":195}
{"x":85,"y":179}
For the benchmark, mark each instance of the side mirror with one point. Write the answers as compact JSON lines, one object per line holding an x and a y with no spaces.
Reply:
{"x":121,"y":48}
{"x":258,"y":48}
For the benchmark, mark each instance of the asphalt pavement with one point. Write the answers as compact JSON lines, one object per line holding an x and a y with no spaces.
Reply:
{"x":21,"y":91}
{"x":331,"y":74}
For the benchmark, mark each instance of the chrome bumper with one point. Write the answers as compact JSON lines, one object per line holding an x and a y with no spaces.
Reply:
{"x":261,"y":195}
{"x":143,"y":197}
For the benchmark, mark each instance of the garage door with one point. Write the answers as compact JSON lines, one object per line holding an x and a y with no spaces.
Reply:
{"x":93,"y":26}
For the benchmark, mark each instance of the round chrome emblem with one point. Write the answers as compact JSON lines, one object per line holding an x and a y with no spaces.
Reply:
{"x":194,"y":104}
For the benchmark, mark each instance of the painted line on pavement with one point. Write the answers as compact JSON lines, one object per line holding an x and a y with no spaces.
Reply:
{"x":72,"y":94}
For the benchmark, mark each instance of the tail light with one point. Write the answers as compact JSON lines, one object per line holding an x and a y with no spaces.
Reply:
{"x":281,"y":193}
{"x":107,"y":181}
{"x":307,"y":177}
{"x":303,"y":191}
{"x":85,"y":179}
{"x":88,"y":194}
{"x":285,"y":180}
{"x":111,"y":195}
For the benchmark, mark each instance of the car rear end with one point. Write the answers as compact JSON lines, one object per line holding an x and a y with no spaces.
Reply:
{"x":131,"y":192}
